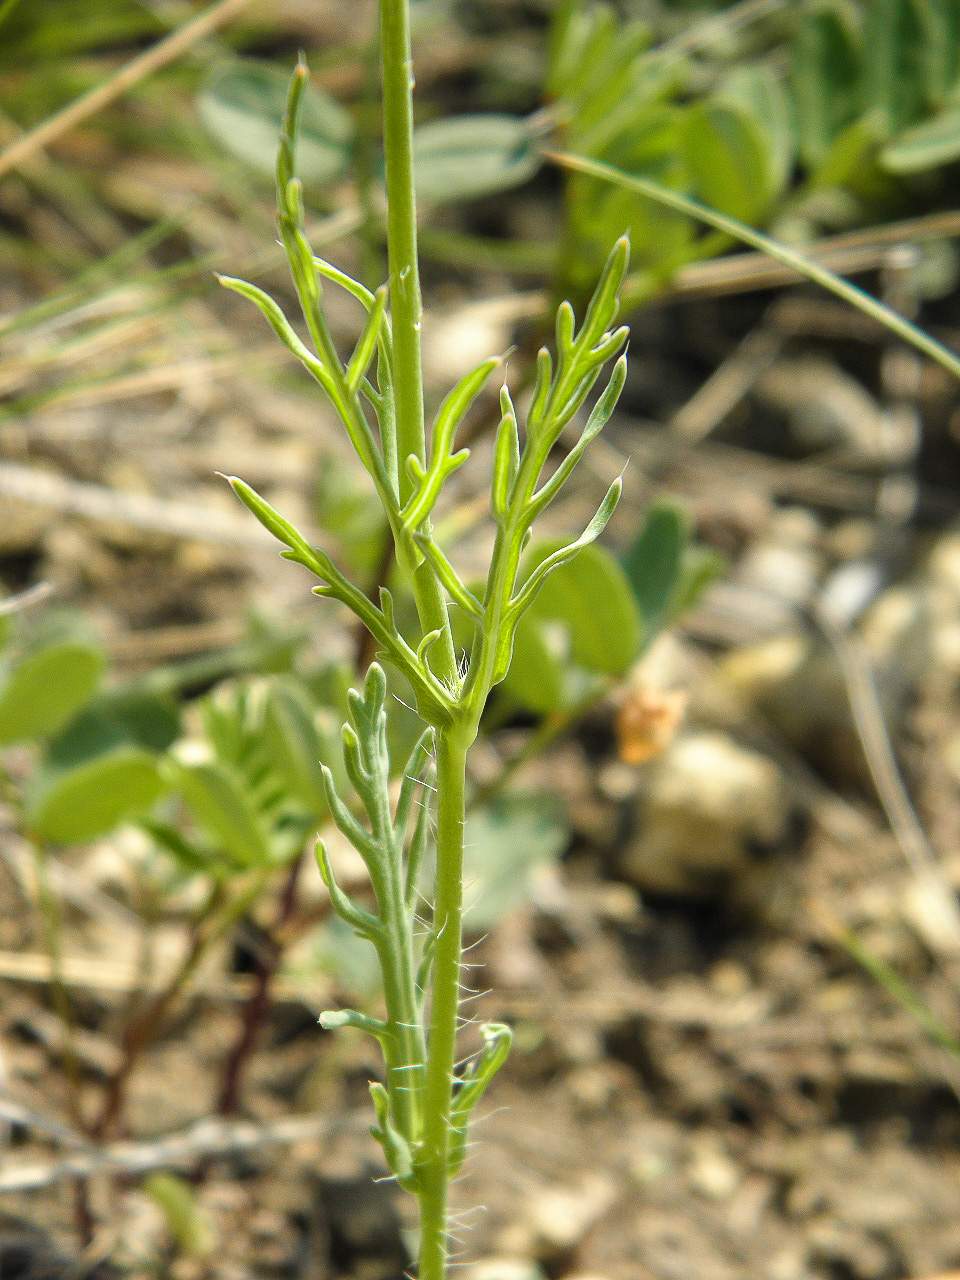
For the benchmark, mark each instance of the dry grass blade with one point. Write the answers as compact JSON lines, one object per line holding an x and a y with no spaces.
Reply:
{"x":942,"y":913}
{"x":848,"y":254}
{"x":24,"y":599}
{"x":165,"y":51}
{"x":139,"y":511}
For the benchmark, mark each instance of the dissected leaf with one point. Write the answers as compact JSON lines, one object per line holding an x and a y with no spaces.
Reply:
{"x":72,"y":805}
{"x":242,"y":106}
{"x":43,"y":691}
{"x":469,"y":156}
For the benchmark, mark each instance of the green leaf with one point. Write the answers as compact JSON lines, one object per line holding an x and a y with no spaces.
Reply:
{"x":850,"y":154}
{"x":122,"y":717}
{"x":826,"y":61}
{"x":539,"y":669}
{"x":758,"y":89}
{"x":652,"y":563}
{"x":346,"y":505}
{"x":892,"y":67}
{"x":886,"y":316}
{"x":299,"y":736}
{"x":591,"y":598}
{"x":701,"y":566}
{"x":468,"y":156}
{"x":350,"y":959}
{"x":187,"y":1222}
{"x":925,"y":146}
{"x":74,"y":805}
{"x":728,"y":159}
{"x":505,"y":842}
{"x":45,"y":690}
{"x":242,"y":105}
{"x":191,"y":856}
{"x":659,"y":240}
{"x":667,"y":572}
{"x":219,"y":801}
{"x":939,"y":47}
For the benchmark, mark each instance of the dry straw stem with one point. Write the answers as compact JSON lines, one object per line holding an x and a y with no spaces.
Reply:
{"x":847,"y":254}
{"x":178,"y":1150}
{"x":19,"y":483}
{"x":159,"y":55}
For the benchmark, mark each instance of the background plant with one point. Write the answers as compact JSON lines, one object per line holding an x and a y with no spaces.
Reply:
{"x":812,"y":117}
{"x":228,"y":786}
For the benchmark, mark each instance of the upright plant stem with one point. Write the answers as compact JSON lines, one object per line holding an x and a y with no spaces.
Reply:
{"x":452,"y":740}
{"x":452,"y":745}
{"x":406,"y":307}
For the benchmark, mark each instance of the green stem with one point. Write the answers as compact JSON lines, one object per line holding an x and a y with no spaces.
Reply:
{"x":405,"y":1054}
{"x":406,"y":307}
{"x":433,"y":1168}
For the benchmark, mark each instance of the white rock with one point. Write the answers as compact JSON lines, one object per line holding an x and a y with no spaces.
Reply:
{"x":708,"y":807}
{"x":558,"y":1218}
{"x":504,"y":1269}
{"x":712,"y":1173}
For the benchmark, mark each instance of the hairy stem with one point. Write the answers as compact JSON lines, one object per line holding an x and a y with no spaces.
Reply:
{"x":452,"y":745}
{"x":406,"y":1052}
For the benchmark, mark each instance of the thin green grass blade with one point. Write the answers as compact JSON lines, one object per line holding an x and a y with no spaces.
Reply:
{"x":781,"y":253}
